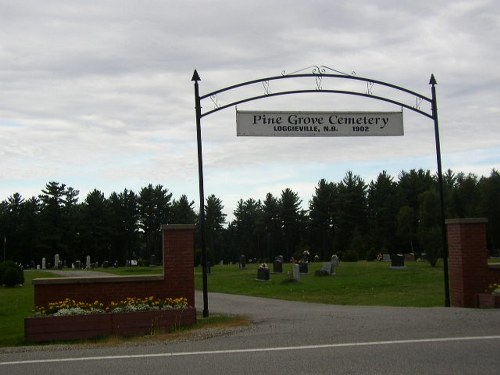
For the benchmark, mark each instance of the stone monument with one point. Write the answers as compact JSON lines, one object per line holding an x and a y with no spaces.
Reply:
{"x":335,"y":263}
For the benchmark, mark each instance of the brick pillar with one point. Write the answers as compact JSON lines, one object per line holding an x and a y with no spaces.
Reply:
{"x":468,"y":260}
{"x":178,"y":260}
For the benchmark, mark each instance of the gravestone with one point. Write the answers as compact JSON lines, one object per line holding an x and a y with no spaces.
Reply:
{"x":410,"y":257}
{"x":263,"y":272}
{"x":56,"y":261}
{"x":304,"y":267}
{"x":243,"y":261}
{"x":277,"y":266}
{"x":296,"y":272}
{"x":334,"y":264}
{"x":87,"y":262}
{"x":327,"y":268}
{"x":398,"y":261}
{"x":44,"y":263}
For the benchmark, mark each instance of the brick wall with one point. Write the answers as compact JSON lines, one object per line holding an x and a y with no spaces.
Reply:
{"x":468,"y":261}
{"x":177,"y":279}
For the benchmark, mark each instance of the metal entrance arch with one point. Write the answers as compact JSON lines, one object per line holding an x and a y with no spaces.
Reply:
{"x":321,"y":76}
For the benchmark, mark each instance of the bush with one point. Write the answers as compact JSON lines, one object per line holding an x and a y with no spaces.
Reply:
{"x":372,"y":254}
{"x":350,"y":256}
{"x":11,"y":274}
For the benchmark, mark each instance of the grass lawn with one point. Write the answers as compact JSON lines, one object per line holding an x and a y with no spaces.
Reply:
{"x":130,"y":271}
{"x":16,"y":304}
{"x":359,"y":283}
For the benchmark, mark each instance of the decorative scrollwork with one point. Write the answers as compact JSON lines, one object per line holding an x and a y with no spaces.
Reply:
{"x":265,"y":84}
{"x":317,"y":70}
{"x":418,"y":102}
{"x":353,"y":73}
{"x":214,"y":100}
{"x":369,"y":88}
{"x":313,"y":68}
{"x":318,"y":82}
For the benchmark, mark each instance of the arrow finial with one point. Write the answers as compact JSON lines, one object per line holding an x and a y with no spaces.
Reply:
{"x":196,"y":76}
{"x":433,"y":80}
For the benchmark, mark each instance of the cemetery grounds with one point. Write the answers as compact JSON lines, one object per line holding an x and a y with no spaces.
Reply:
{"x":356,"y":283}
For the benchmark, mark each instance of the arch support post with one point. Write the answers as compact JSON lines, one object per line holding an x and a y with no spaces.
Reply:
{"x":204,"y":263}
{"x":444,"y":239}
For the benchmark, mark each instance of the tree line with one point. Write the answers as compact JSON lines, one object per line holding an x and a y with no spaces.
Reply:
{"x":352,"y":218}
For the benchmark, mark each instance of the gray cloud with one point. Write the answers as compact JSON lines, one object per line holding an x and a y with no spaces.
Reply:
{"x":98,"y":93}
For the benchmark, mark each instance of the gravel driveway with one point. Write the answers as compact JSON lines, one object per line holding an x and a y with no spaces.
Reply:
{"x":293,"y":322}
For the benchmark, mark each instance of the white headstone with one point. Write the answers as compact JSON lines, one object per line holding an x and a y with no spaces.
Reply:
{"x":56,"y":261}
{"x":335,"y":263}
{"x":44,"y":263}
{"x":87,"y":262}
{"x":296,"y":272}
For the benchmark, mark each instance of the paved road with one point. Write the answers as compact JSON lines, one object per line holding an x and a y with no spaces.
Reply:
{"x":296,"y":338}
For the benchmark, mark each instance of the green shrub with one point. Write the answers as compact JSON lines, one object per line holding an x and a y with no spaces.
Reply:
{"x":372,"y":254}
{"x":11,"y":274}
{"x":142,"y":262}
{"x":350,"y":256}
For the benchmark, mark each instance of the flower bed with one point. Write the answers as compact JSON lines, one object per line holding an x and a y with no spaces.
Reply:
{"x":490,"y":298}
{"x":263,"y":272}
{"x":70,"y":320}
{"x":488,"y":301}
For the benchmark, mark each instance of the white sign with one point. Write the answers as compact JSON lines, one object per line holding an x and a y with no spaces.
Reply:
{"x":318,"y":124}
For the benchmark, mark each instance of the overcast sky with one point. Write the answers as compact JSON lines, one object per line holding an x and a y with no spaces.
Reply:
{"x":98,"y":94}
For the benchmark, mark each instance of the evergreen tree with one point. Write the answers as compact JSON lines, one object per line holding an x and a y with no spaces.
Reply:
{"x":383,"y":208}
{"x":464,"y":197}
{"x":13,"y":220}
{"x":292,"y":222}
{"x":57,"y":204}
{"x":154,"y":209}
{"x":182,"y":211}
{"x":350,"y":210}
{"x":214,"y":221}
{"x":95,"y":227}
{"x":29,"y":232}
{"x":272,"y":226}
{"x":247,"y":215}
{"x":322,"y":219}
{"x":429,"y":229}
{"x":489,"y":204}
{"x":397,"y":216}
{"x":124,"y":221}
{"x":407,"y":230}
